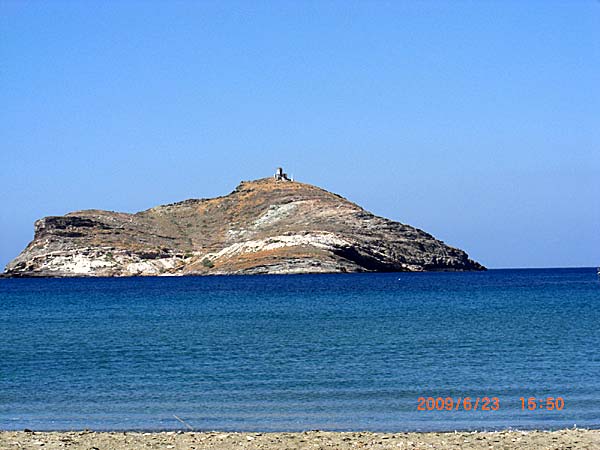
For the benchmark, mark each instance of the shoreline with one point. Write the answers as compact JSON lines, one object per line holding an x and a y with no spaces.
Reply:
{"x":535,"y":439}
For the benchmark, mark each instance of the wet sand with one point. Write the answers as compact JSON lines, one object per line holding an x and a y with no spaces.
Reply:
{"x":88,"y":440}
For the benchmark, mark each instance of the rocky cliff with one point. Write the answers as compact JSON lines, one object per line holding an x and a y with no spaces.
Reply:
{"x":264,"y":226}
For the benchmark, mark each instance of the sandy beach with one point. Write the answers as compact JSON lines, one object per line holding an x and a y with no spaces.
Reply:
{"x":88,"y":440}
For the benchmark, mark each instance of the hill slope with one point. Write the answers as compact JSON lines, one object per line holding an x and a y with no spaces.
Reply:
{"x":264,"y":226}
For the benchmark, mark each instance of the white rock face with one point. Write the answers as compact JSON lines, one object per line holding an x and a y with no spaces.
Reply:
{"x":275,"y":213}
{"x":77,"y":264}
{"x":153,"y":267}
{"x":327,"y":241}
{"x":96,"y":262}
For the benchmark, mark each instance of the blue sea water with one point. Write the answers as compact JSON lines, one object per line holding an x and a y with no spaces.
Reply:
{"x":266,"y":353}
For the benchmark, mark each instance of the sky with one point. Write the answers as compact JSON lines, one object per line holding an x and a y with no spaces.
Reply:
{"x":478,"y":122}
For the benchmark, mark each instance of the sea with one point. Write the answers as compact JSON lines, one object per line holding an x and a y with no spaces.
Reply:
{"x":502,"y":349}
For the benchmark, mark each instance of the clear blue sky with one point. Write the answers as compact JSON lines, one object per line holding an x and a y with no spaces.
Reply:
{"x":476,"y":121}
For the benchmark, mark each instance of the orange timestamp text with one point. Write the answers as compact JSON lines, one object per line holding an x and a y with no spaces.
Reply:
{"x":458,"y":404}
{"x":547,"y":403}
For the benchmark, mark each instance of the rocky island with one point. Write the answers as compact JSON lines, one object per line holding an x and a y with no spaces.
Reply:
{"x":267,"y":226}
